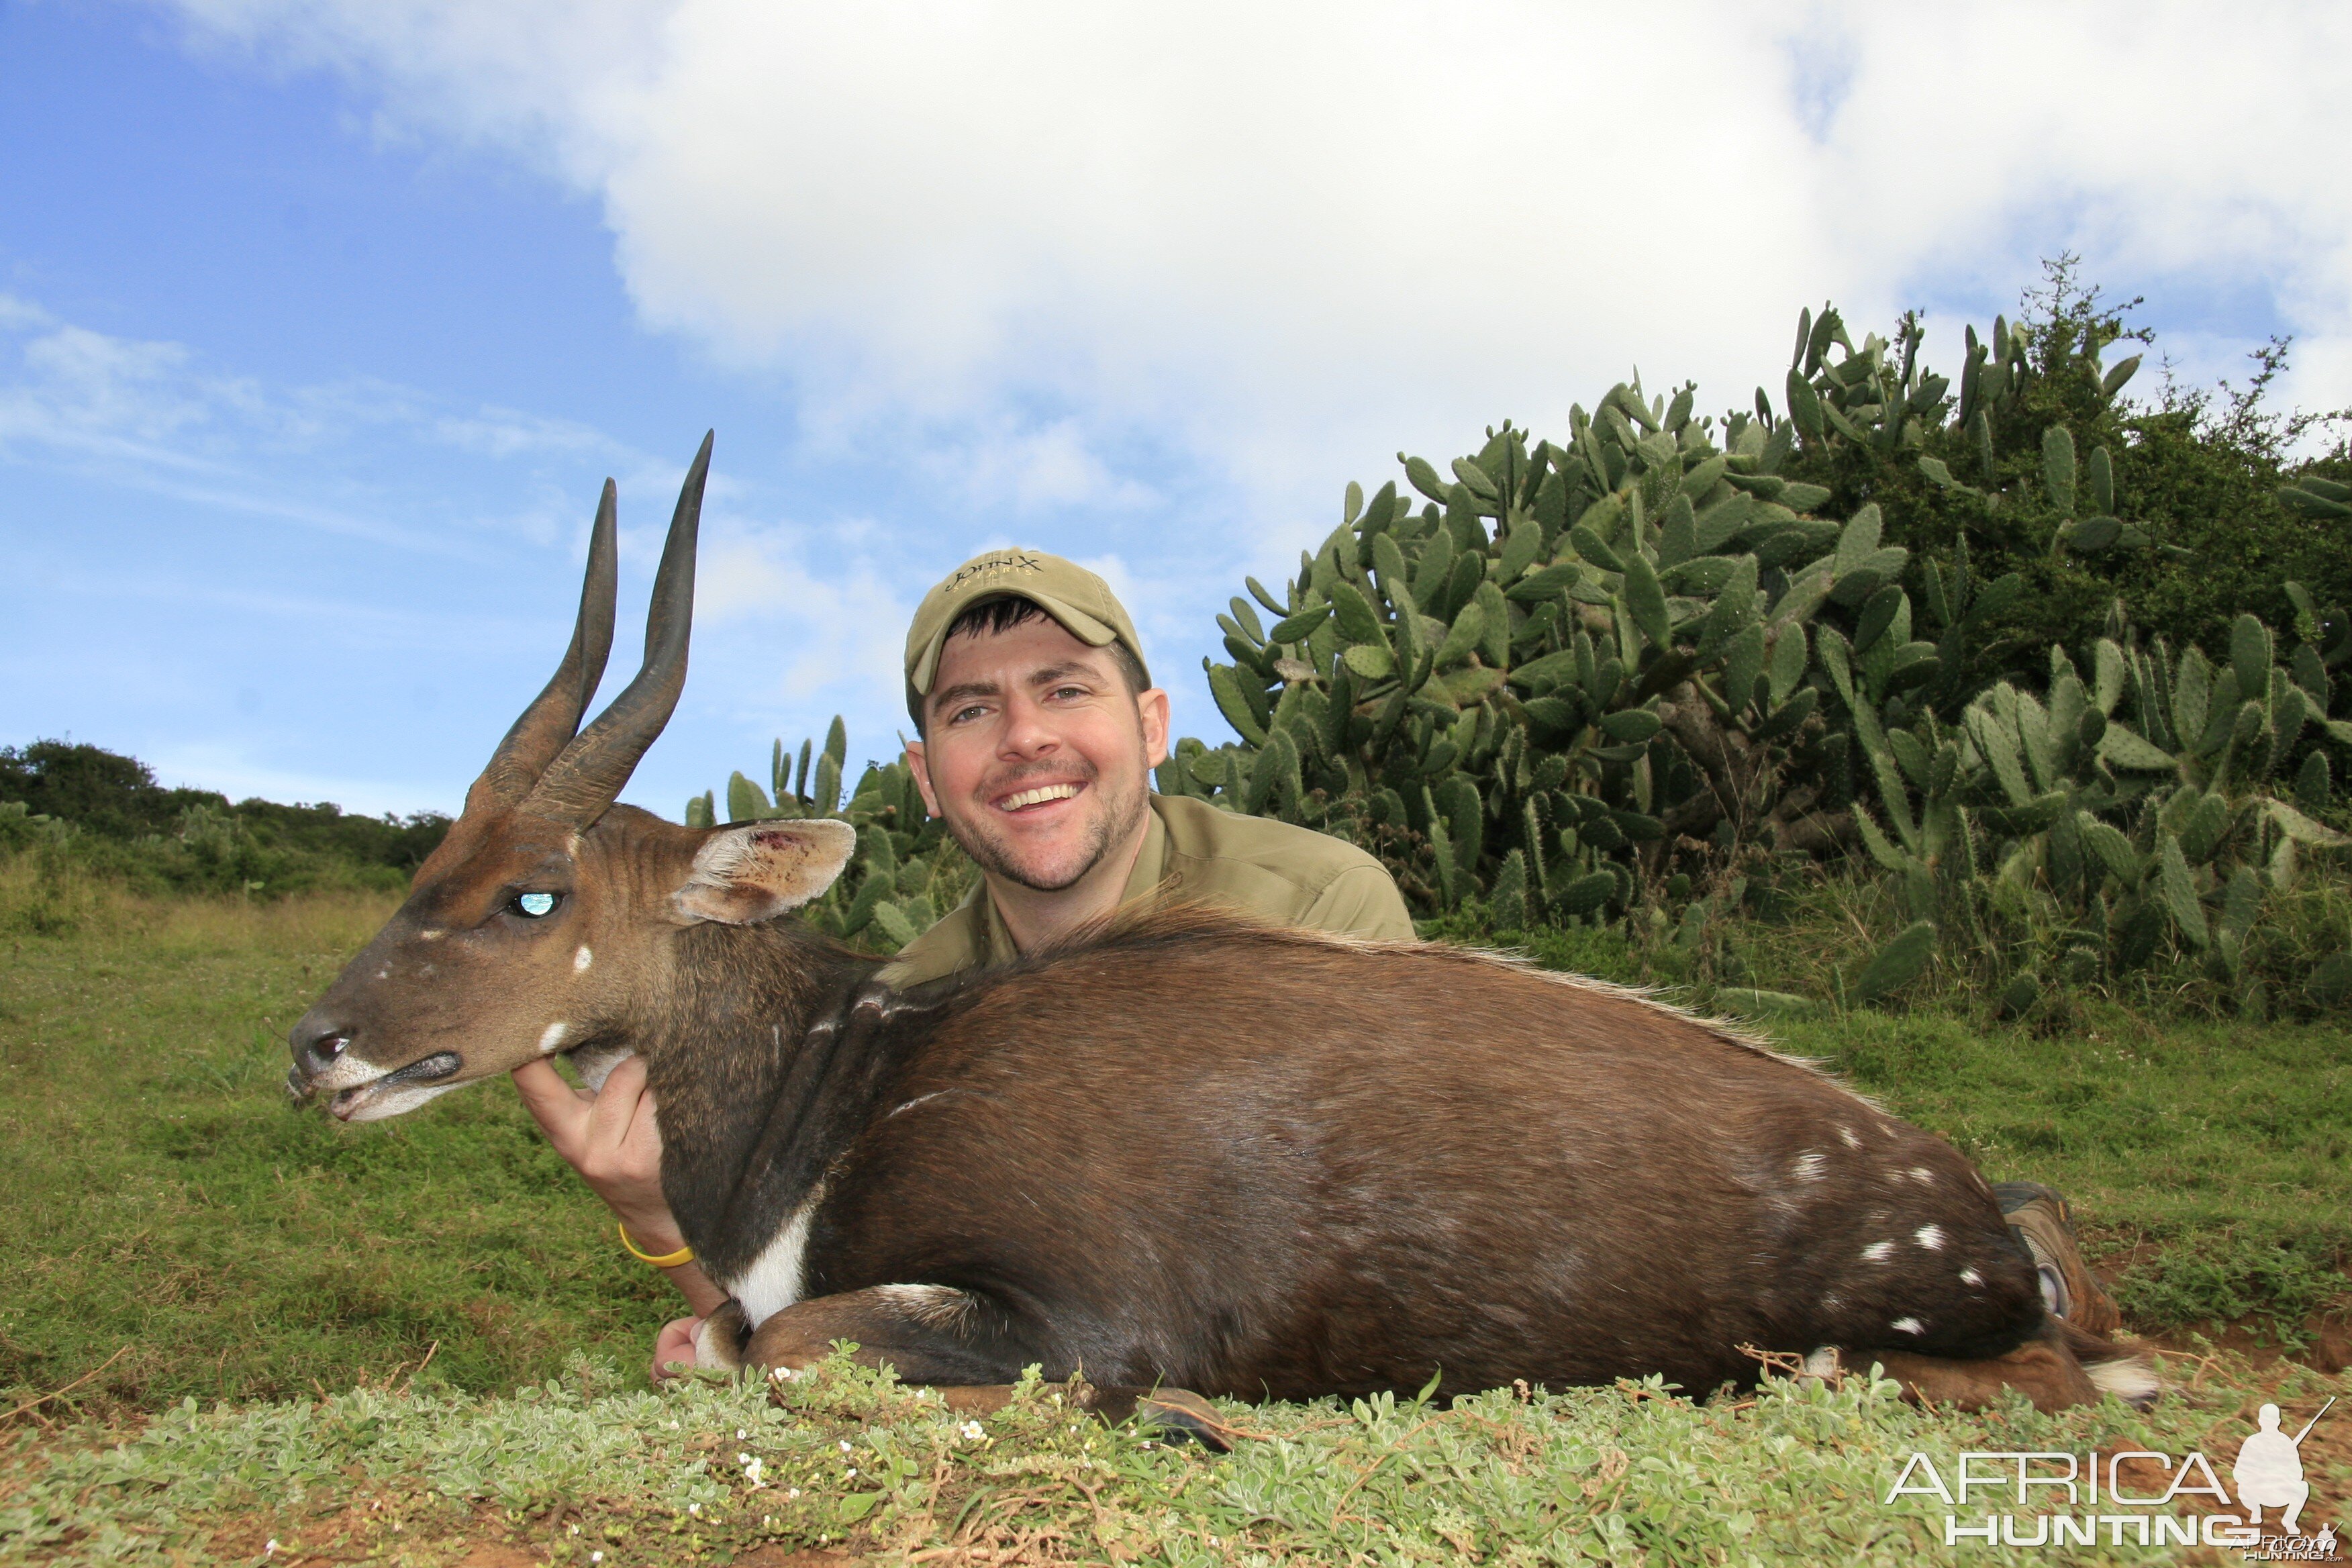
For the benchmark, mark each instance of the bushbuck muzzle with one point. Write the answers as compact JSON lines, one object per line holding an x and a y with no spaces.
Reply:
{"x":524,"y":932}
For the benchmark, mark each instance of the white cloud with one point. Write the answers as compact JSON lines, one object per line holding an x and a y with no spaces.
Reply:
{"x":799,"y":640}
{"x":1284,"y":240}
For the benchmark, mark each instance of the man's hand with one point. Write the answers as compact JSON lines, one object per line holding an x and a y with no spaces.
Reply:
{"x":676,"y":1344}
{"x":612,"y":1139}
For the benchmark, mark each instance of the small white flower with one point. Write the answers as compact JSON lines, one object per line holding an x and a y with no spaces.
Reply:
{"x":844,"y":1446}
{"x":740,"y":1434}
{"x":575,"y":1530}
{"x":595,"y":1557}
{"x":853,"y":1472}
{"x":269,"y":1547}
{"x":793,"y":1493}
{"x":971,"y":1432}
{"x":694,"y":1508}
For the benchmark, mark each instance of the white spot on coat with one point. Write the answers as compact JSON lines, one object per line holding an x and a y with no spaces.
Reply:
{"x":1970,"y":1276}
{"x":1930,"y":1236}
{"x":775,"y":1280}
{"x":431,"y":935}
{"x":1908,"y":1326}
{"x":582,"y":960}
{"x":1807,"y":1166}
{"x":1846,"y":1135}
{"x":1924,"y":1176}
{"x":1879,"y":1251}
{"x":552,"y":1038}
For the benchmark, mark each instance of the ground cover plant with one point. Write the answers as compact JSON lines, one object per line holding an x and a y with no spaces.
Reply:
{"x":576,"y":1469}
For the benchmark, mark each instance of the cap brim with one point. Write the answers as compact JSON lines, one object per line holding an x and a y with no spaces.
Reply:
{"x":1077,"y":623}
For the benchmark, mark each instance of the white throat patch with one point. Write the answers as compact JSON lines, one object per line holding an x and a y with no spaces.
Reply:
{"x":775,"y":1280}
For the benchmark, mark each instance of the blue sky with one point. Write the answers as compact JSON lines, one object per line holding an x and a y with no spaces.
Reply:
{"x":320,"y":324}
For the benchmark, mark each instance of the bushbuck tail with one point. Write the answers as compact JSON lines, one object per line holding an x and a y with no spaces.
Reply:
{"x":1186,"y":1151}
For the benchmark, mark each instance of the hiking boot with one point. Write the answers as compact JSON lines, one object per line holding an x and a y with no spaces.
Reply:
{"x":2044,"y":1226}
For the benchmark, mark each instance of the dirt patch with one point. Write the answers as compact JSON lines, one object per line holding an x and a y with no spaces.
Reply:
{"x":783,"y":1557}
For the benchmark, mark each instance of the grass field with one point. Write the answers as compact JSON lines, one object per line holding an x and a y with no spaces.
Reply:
{"x":367,"y":1300}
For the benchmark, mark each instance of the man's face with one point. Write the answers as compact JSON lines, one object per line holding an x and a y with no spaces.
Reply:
{"x":1036,"y":753}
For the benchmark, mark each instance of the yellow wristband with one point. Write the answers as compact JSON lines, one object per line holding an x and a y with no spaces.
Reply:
{"x":667,"y":1260}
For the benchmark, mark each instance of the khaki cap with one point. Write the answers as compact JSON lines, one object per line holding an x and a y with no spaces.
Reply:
{"x":1073,"y":595}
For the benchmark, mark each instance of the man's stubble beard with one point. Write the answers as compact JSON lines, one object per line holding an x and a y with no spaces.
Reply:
{"x":1111,"y":827}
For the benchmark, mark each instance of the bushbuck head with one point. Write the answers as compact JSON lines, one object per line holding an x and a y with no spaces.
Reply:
{"x":542,"y":923}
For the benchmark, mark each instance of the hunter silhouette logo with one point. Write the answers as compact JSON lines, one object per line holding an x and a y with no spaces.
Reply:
{"x":2268,"y":1471}
{"x":2081,"y":1501}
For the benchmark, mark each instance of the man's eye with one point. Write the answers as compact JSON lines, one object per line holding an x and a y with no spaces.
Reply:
{"x":534,"y":905}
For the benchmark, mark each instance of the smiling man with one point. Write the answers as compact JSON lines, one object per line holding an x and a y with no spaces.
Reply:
{"x":1039,"y":728}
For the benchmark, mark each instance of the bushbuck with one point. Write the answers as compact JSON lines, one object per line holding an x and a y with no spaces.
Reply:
{"x":1186,"y":1151}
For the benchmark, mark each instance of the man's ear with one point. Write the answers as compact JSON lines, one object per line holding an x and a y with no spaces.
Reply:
{"x":757,"y":871}
{"x":1151,"y":712}
{"x":918,"y":763}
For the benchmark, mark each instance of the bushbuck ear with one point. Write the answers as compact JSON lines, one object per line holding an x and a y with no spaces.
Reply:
{"x":760,"y":869}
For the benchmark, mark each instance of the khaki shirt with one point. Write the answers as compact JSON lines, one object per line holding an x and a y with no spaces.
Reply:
{"x":1287,"y":875}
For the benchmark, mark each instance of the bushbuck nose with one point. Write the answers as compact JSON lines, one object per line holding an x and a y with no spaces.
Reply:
{"x":318,"y":1047}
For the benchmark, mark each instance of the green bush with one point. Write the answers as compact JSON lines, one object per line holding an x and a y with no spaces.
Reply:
{"x":104,"y":813}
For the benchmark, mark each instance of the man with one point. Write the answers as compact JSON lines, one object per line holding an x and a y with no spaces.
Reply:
{"x":1038,"y":729}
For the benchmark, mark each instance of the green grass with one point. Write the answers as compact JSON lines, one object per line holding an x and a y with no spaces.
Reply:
{"x":272,"y":1282}
{"x":161,"y":1196}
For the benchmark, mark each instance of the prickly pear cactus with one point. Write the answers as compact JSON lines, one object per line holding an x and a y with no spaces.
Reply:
{"x":1571,"y":679}
{"x":1566,"y":665}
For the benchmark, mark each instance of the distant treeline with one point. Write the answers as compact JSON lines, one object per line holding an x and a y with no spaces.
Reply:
{"x":106,"y":811}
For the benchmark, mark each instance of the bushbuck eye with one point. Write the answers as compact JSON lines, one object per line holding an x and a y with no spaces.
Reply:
{"x":535,"y":904}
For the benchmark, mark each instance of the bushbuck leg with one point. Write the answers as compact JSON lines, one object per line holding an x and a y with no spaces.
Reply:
{"x":934,"y":1335}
